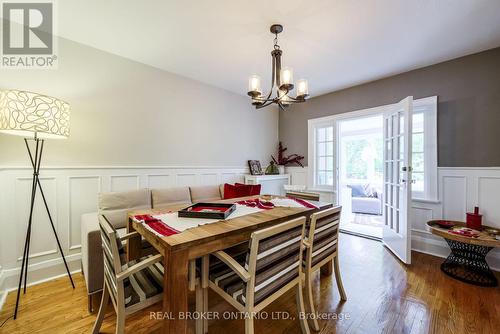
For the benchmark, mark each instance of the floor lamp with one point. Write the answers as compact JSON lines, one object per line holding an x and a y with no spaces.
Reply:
{"x":36,"y":117}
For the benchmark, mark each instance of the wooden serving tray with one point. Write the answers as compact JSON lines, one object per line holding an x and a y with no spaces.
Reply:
{"x":208,"y":210}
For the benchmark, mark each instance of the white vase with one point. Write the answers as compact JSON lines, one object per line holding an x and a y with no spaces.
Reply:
{"x":281,"y":168}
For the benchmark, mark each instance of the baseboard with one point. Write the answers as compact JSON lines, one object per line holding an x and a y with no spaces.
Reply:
{"x":41,"y":272}
{"x":3,"y":291}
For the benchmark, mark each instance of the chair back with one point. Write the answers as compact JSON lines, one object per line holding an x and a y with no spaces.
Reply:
{"x":273,"y":259}
{"x":114,"y":257}
{"x":322,"y":235}
{"x":303,"y":195}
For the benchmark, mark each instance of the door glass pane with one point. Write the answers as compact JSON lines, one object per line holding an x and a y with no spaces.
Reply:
{"x":401,"y":148}
{"x":394,"y":119}
{"x":418,"y":122}
{"x":418,"y":184}
{"x":395,"y":217}
{"x":418,"y":142}
{"x":418,"y":162}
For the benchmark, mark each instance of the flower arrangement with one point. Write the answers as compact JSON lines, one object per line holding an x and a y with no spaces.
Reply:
{"x":287,"y":160}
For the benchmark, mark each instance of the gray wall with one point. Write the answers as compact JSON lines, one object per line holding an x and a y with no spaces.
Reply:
{"x":468,"y":91}
{"x":128,"y":113}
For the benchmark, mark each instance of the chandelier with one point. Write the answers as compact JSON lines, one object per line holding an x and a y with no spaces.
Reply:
{"x":281,"y":82}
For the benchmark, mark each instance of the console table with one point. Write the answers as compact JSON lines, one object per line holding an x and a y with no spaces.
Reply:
{"x":271,"y":184}
{"x":467,"y":261}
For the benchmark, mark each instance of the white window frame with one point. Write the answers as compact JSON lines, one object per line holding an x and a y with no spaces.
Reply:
{"x":427,"y":105}
{"x":312,"y":158}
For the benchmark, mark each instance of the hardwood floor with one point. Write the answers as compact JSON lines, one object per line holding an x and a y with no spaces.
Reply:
{"x":383,"y":296}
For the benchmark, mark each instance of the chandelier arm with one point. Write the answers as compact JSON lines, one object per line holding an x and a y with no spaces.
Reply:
{"x":260,"y":99}
{"x":294,"y":99}
{"x":264,"y":105}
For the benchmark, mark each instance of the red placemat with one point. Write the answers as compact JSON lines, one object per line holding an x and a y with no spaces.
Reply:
{"x":304,"y":203}
{"x":155,"y":225}
{"x":257,"y":203}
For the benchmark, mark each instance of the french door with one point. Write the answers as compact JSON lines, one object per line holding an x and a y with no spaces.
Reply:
{"x":397,"y":179}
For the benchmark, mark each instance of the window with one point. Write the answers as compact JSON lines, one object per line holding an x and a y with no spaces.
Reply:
{"x":322,"y":143}
{"x":324,"y":156}
{"x":418,"y":158}
{"x":424,"y":147}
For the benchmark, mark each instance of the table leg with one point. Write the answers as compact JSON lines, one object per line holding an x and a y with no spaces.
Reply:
{"x":467,"y":263}
{"x":134,"y":244}
{"x":327,"y":269}
{"x":175,"y":294}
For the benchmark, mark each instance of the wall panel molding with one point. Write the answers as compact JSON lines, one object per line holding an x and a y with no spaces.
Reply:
{"x":72,"y":191}
{"x":459,"y":189}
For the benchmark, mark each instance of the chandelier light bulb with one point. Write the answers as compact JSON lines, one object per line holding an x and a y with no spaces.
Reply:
{"x":286,"y":78}
{"x":302,"y":88}
{"x":254,"y":86}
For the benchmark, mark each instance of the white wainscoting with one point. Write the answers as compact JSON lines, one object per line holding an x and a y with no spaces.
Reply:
{"x":459,"y":189}
{"x":71,"y":192}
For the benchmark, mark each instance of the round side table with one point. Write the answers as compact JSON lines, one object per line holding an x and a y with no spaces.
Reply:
{"x":467,"y":261}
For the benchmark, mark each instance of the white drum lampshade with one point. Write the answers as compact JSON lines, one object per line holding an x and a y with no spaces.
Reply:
{"x":30,"y":114}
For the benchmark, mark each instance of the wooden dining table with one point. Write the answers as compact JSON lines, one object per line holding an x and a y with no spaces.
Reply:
{"x":179,"y":249}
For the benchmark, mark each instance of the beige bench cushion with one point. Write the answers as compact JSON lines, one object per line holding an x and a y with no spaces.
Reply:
{"x":116,"y":205}
{"x":170,"y":196}
{"x":205,"y":193}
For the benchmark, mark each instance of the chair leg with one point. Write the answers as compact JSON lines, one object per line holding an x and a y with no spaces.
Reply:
{"x":205,"y":309}
{"x":249,"y":323}
{"x":102,"y":310}
{"x":199,"y":309}
{"x":338,"y":278}
{"x":120,"y":320}
{"x":205,"y":264}
{"x":309,"y":302}
{"x":302,"y":310}
{"x":90,"y":305}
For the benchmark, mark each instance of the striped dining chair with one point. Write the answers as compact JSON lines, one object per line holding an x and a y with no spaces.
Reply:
{"x":322,"y":247}
{"x":269,"y":268}
{"x":131,"y":286}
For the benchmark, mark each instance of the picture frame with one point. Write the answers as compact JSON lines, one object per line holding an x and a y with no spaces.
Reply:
{"x":255,"y":167}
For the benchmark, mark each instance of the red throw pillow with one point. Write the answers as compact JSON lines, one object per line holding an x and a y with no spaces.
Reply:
{"x":249,"y":189}
{"x":229,"y":191}
{"x":240,"y":190}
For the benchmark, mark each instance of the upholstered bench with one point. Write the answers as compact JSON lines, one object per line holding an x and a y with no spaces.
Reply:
{"x":115,"y":206}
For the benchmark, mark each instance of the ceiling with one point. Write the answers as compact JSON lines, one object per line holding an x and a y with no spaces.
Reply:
{"x":334,"y":44}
